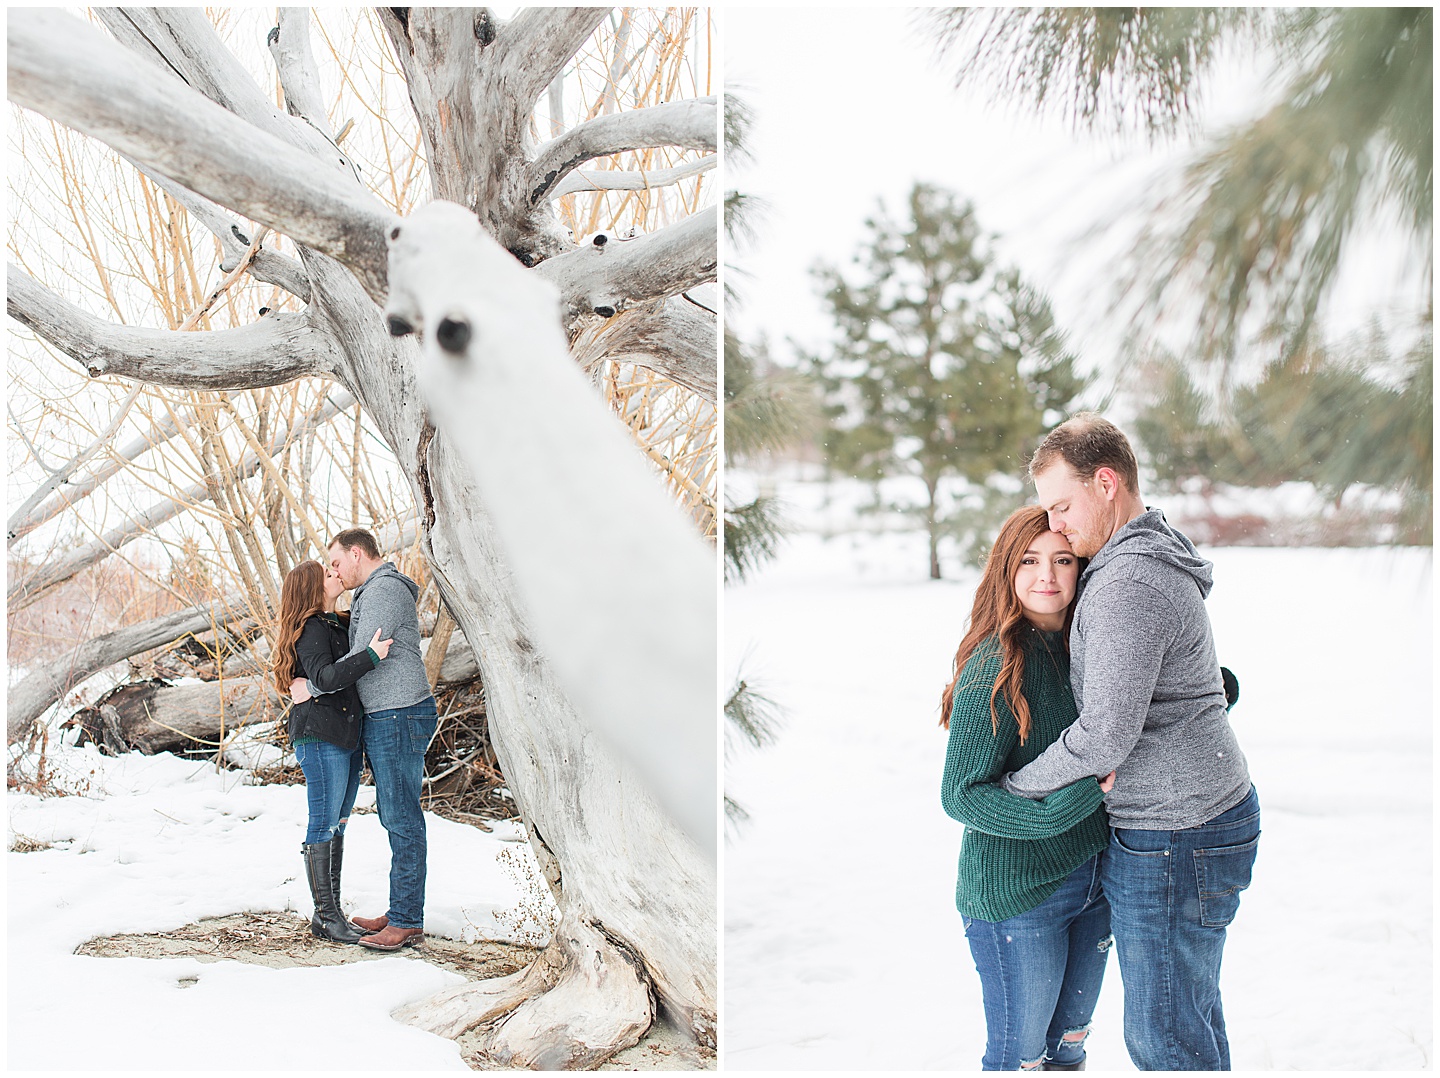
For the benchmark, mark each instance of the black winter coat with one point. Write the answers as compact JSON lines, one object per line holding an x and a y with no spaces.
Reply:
{"x":320,"y":656}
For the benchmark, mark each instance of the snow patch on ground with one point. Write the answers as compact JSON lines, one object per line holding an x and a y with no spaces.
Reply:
{"x":843,"y":948}
{"x":153,"y":843}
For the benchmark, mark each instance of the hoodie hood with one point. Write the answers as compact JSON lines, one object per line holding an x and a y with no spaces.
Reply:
{"x":1151,"y":535}
{"x":386,"y":569}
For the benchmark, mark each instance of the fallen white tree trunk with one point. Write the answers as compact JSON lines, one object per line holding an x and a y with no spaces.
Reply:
{"x":152,"y":716}
{"x":43,"y":686}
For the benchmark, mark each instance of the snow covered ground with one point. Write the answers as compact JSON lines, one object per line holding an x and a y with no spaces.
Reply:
{"x":843,"y":948}
{"x":153,"y":843}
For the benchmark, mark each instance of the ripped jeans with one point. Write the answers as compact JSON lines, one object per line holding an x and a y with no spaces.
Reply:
{"x":332,"y":781}
{"x":1040,"y":974}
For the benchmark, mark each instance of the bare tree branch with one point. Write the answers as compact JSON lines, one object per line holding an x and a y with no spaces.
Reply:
{"x":27,"y":590}
{"x":673,"y":336}
{"x":608,"y":279}
{"x":42,"y":687}
{"x":268,"y":265}
{"x":278,"y":348}
{"x":57,"y":476}
{"x":21,"y":525}
{"x":580,"y":182}
{"x":72,"y":74}
{"x":556,"y":99}
{"x":299,"y":77}
{"x":183,"y":42}
{"x":691,"y":124}
{"x":537,"y":43}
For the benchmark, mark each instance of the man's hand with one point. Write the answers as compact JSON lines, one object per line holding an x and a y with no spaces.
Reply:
{"x":1107,"y":783}
{"x":299,"y":691}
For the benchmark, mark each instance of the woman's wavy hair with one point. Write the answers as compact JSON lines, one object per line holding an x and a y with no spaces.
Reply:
{"x":302,"y":594}
{"x":997,"y":612}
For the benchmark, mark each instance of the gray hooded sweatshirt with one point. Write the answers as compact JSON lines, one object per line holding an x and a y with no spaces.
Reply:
{"x":1147,"y":685}
{"x":386,"y":600}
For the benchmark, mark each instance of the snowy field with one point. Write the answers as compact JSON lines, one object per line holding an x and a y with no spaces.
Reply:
{"x":154,"y":843}
{"x":843,"y":948}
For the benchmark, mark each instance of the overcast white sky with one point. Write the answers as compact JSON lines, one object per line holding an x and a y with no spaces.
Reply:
{"x":850,"y":105}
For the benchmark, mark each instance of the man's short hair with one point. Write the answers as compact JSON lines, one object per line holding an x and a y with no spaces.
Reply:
{"x":1088,"y":442}
{"x":357,"y":537}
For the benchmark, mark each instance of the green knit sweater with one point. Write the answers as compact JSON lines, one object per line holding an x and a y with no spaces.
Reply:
{"x":1015,"y":852}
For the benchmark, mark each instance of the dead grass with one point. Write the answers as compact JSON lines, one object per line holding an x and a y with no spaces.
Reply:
{"x":25,"y":844}
{"x":282,"y":940}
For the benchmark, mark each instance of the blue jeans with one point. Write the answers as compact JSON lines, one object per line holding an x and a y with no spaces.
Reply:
{"x":1040,"y":973}
{"x":332,"y":777}
{"x":1171,"y":894}
{"x":395,"y":742}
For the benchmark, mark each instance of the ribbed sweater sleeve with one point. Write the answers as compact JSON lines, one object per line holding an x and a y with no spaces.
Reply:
{"x":976,"y":757}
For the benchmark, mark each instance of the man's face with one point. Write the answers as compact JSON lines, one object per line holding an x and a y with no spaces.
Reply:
{"x":1078,"y":510}
{"x":345,"y":562}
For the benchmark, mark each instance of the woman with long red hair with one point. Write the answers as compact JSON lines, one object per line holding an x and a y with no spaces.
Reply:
{"x":312,"y":642}
{"x":1029,"y":885}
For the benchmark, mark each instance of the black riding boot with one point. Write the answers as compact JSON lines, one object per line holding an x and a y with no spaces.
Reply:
{"x":328,"y":922}
{"x":337,"y":855}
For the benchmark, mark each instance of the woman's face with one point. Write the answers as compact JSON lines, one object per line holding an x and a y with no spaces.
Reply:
{"x":333,"y":587}
{"x":1045,"y":581}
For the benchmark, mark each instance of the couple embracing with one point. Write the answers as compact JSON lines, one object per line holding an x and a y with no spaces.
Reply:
{"x":359,"y":689}
{"x":1092,"y":761}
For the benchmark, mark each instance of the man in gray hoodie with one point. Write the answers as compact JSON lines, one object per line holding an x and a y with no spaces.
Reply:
{"x":400,"y":718}
{"x":1185,"y":818}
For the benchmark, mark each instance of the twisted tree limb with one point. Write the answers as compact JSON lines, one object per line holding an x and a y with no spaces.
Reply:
{"x":691,"y":124}
{"x":673,"y":336}
{"x":581,"y":181}
{"x":70,"y":73}
{"x":181,"y":42}
{"x":608,"y":279}
{"x":278,"y":348}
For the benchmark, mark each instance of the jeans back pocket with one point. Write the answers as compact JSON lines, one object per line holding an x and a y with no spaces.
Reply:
{"x":1221,"y":873}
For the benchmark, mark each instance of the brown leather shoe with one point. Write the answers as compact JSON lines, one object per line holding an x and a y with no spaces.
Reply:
{"x":370,"y":924}
{"x":392,"y":938}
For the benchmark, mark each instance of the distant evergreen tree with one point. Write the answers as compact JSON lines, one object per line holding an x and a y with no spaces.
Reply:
{"x":1336,"y":421}
{"x":946,"y":365}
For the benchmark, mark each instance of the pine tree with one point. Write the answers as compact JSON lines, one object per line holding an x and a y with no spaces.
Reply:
{"x":1264,"y":219}
{"x":947,"y":365}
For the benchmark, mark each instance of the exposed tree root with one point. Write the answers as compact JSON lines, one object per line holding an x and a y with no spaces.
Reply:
{"x":584,"y":999}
